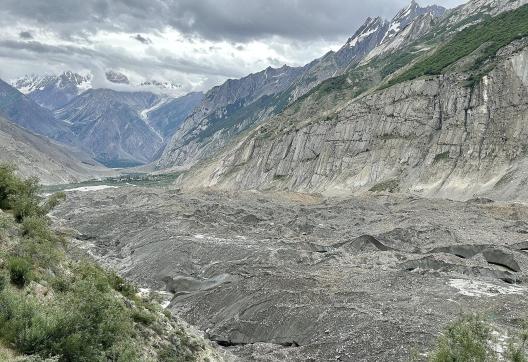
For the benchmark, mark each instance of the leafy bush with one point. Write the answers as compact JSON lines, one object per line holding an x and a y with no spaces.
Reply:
{"x":144,"y":317}
{"x":20,"y":271}
{"x":7,"y":185}
{"x":465,"y":340}
{"x":22,"y":196}
{"x":39,"y":243}
{"x":37,"y":228}
{"x":25,"y":205}
{"x":84,"y":325}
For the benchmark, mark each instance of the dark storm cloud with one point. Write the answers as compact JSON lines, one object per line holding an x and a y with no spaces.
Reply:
{"x":140,"y":38}
{"x":25,"y":35}
{"x":237,"y":20}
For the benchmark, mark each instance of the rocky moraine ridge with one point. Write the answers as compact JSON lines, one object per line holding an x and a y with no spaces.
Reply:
{"x":298,"y":277}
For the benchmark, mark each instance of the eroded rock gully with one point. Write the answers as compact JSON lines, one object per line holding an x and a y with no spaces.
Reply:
{"x":299,"y":277}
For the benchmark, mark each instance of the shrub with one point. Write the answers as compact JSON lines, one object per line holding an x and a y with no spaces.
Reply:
{"x":95,"y":323}
{"x":24,"y":206}
{"x":37,"y":228}
{"x":7,"y":185}
{"x":122,"y":286}
{"x":22,"y":196}
{"x":39,"y":243}
{"x":143,"y":317}
{"x":85,"y":325}
{"x":465,"y":340}
{"x":20,"y":271}
{"x":53,"y":201}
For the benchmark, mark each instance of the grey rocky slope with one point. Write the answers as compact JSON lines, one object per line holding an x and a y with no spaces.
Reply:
{"x":108,"y":124}
{"x":225,"y":111}
{"x":437,"y":135}
{"x":37,"y":156}
{"x":20,"y":109}
{"x":167,"y":116}
{"x":237,"y":105}
{"x":123,"y":129}
{"x":295,"y":277}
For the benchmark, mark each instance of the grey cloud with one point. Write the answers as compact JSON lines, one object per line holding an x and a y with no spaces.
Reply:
{"x":140,"y":38}
{"x":108,"y":57}
{"x":25,"y":35}
{"x":237,"y":20}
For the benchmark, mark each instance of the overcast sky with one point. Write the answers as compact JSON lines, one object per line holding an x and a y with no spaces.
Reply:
{"x":195,"y":43}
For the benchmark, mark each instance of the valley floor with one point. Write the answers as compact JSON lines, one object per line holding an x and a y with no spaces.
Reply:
{"x":299,"y":277}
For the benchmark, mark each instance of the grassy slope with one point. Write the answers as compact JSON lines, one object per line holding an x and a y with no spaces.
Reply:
{"x":491,"y":34}
{"x":52,"y":306}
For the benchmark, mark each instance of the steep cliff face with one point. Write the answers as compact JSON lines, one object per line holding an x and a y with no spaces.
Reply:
{"x":238,"y":105}
{"x":431,"y":136}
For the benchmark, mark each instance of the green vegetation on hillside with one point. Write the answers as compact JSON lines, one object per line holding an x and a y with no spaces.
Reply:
{"x":52,"y":306}
{"x":470,"y":339}
{"x":490,"y":35}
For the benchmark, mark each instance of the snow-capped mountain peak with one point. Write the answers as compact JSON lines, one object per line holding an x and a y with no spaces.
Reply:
{"x":168,"y":85}
{"x":82,"y":82}
{"x":407,"y":15}
{"x":371,"y":26}
{"x":32,"y":82}
{"x":53,"y":91}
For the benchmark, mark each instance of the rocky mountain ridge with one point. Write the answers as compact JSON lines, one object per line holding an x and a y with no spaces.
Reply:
{"x":23,"y":111}
{"x":53,"y":91}
{"x":434,"y":136}
{"x":119,"y":129}
{"x":222,"y":117}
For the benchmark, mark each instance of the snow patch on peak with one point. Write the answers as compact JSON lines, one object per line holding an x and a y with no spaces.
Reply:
{"x":67,"y":80}
{"x":371,"y":26}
